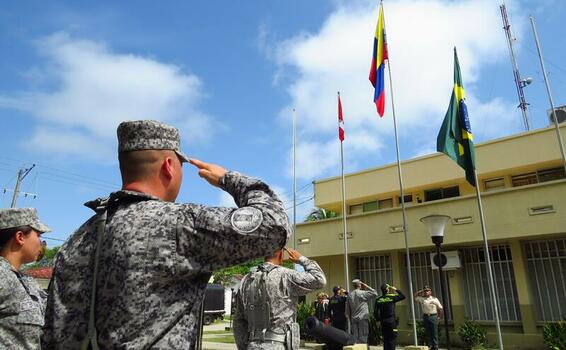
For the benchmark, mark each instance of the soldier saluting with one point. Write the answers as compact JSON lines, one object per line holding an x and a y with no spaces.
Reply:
{"x":133,"y":276}
{"x":266,"y":304}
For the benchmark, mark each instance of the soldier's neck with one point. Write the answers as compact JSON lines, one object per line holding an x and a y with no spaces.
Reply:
{"x":147,"y":188}
{"x":13,"y":258}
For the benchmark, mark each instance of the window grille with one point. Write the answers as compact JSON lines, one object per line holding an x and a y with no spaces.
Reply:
{"x":423,"y":275}
{"x":374,"y":270}
{"x":478,"y":304}
{"x":546,"y":261}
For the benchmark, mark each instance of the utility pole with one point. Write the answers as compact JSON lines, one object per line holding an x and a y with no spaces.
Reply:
{"x":519,"y":83}
{"x":22,"y":173}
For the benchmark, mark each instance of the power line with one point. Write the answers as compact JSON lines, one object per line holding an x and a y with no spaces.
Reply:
{"x":52,"y":239}
{"x":303,"y":202}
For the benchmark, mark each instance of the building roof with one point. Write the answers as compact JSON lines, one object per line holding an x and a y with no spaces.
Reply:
{"x":40,"y":272}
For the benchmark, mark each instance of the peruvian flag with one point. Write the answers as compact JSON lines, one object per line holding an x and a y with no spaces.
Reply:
{"x":340,"y":120}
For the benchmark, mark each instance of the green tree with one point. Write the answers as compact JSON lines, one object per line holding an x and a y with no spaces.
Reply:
{"x":317,"y":214}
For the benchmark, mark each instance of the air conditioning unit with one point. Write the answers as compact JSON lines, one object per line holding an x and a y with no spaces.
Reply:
{"x":560,"y":114}
{"x":450,"y":260}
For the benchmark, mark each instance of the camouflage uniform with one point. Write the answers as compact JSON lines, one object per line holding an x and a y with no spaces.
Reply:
{"x":283,"y":286}
{"x":156,"y":260}
{"x":357,"y":311}
{"x":22,"y":301}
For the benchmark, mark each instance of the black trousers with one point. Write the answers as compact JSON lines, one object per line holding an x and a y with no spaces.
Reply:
{"x":339,"y":323}
{"x":389,"y":332}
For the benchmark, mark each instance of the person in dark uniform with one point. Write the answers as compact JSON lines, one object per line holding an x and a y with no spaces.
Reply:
{"x":385,"y":313}
{"x":337,"y":308}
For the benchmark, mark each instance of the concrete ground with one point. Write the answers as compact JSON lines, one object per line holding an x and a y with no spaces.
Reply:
{"x":209,"y":344}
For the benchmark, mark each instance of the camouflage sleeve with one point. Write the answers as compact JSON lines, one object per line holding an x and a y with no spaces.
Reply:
{"x":369,"y":293}
{"x":216,"y":237}
{"x":302,"y":283}
{"x":240,"y":324}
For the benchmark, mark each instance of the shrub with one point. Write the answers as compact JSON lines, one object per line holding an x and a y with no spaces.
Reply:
{"x":554,"y":335}
{"x":304,"y":311}
{"x":374,"y":336}
{"x":473,"y":335}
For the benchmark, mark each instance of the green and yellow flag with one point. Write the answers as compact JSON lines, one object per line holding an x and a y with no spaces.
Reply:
{"x":455,"y":138}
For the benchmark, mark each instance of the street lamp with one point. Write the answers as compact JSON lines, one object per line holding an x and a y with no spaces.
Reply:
{"x":435,"y":225}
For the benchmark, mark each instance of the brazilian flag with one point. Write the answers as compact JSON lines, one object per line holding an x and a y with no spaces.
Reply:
{"x":455,"y":138}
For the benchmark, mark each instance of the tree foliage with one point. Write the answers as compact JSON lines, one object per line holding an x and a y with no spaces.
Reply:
{"x":317,"y":214}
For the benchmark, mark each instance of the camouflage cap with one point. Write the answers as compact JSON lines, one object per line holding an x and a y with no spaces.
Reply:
{"x":16,"y":217}
{"x":142,"y":135}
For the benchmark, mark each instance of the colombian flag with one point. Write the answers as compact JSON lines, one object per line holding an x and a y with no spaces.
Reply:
{"x":377,"y":70}
{"x":455,"y":138}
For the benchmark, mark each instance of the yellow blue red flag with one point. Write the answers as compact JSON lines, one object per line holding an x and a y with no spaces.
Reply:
{"x":377,"y":70}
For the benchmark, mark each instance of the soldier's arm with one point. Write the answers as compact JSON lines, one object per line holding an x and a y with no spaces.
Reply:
{"x":240,"y":325}
{"x":216,"y":237}
{"x":302,"y":283}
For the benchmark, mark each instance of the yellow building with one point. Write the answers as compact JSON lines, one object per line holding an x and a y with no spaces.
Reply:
{"x":523,"y":187}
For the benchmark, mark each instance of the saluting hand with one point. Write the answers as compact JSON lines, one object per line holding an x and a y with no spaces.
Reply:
{"x":293,"y":254}
{"x":210,"y":172}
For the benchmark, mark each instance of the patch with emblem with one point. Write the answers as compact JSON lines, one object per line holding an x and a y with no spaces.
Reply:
{"x":246,"y":219}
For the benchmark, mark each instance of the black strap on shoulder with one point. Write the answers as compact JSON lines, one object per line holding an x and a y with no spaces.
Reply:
{"x":101,"y":208}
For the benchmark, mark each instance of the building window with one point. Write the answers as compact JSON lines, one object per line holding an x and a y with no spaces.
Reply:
{"x":478,"y":301}
{"x":524,"y":179}
{"x":546,"y":263}
{"x":494,"y":184}
{"x":408,"y":199}
{"x":423,"y":275}
{"x":356,"y":209}
{"x":370,"y":206}
{"x":441,"y":193}
{"x":550,"y":174}
{"x":385,"y":203}
{"x":374,"y":270}
{"x":538,"y":176}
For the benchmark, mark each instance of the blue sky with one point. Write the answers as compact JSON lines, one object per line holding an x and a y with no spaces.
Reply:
{"x":228,"y":74}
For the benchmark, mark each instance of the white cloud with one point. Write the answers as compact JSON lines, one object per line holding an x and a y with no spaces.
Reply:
{"x":421,"y":37}
{"x":89,"y":89}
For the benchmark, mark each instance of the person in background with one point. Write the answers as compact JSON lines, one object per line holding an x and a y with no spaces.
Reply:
{"x":432,"y":312}
{"x":321,"y":311}
{"x":337,"y":308}
{"x":385,"y":313}
{"x":22,"y":301}
{"x":266,"y":304}
{"x":357,"y":310}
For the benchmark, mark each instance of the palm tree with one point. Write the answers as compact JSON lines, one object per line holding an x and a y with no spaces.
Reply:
{"x":317,"y":214}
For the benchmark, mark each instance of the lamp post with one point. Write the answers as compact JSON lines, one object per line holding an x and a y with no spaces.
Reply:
{"x":435,"y":225}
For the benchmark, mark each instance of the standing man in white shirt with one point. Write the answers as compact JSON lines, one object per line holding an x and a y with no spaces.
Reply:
{"x":432,"y":312}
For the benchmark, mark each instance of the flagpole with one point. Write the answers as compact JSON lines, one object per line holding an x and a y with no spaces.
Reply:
{"x":488,"y":264}
{"x":549,"y":93}
{"x":294,"y":180}
{"x":344,"y":226}
{"x":402,"y":198}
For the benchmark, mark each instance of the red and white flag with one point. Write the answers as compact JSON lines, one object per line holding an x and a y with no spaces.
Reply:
{"x":340,"y":120}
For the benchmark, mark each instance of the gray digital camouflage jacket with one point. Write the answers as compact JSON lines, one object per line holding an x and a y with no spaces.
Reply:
{"x":22,"y":306}
{"x":155,"y":262}
{"x":357,"y":304}
{"x":284,"y":286}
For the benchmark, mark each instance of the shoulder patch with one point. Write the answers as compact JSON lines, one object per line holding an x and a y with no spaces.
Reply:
{"x":246,"y":219}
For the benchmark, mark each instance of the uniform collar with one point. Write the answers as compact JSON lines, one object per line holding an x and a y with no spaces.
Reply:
{"x":6,"y":264}
{"x":121,"y":196}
